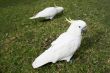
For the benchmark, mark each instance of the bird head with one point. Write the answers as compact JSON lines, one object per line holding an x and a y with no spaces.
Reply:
{"x":59,"y":9}
{"x":77,"y":24}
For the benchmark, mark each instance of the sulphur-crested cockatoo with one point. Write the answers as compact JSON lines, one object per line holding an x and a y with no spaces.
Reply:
{"x":64,"y":46}
{"x":48,"y":13}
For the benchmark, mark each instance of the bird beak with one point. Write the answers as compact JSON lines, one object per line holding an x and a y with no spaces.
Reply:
{"x":84,"y":29}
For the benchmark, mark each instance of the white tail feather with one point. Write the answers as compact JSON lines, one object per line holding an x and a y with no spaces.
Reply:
{"x":43,"y":59}
{"x":34,"y":17}
{"x":39,"y":62}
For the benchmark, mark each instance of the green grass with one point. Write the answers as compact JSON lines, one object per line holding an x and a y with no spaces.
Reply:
{"x":22,"y":40}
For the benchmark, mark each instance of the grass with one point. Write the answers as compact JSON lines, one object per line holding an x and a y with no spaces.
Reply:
{"x":22,"y":40}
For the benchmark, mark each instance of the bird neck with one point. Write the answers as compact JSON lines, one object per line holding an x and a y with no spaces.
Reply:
{"x":58,"y":9}
{"x":74,"y":31}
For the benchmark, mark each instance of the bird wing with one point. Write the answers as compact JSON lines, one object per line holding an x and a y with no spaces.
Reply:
{"x":64,"y":45}
{"x":50,"y":11}
{"x":60,"y":38}
{"x":52,"y":54}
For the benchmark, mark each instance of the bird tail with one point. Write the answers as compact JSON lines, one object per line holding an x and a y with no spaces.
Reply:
{"x":34,"y":17}
{"x":41,"y":60}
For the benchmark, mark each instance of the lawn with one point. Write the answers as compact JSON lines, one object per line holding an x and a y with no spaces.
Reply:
{"x":22,"y":40}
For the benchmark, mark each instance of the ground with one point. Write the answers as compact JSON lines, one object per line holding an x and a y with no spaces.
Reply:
{"x":22,"y":39}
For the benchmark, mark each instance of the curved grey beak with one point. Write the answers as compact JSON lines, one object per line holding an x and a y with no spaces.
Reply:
{"x":84,"y":29}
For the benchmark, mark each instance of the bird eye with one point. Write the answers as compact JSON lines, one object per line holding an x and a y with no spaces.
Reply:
{"x":79,"y":26}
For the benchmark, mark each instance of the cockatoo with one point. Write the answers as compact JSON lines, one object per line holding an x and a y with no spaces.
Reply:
{"x":48,"y":13}
{"x":64,"y":46}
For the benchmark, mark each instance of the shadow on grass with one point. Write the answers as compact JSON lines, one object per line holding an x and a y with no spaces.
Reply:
{"x":87,"y":43}
{"x":59,"y":15}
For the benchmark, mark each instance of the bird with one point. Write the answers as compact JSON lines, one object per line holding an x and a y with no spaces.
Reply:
{"x":48,"y":13}
{"x":64,"y":47}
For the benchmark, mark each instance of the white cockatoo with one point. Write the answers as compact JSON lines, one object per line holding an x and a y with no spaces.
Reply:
{"x":64,"y":46}
{"x":48,"y":13}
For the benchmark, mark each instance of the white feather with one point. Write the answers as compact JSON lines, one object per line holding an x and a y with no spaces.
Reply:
{"x":48,"y":13}
{"x":63,"y":47}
